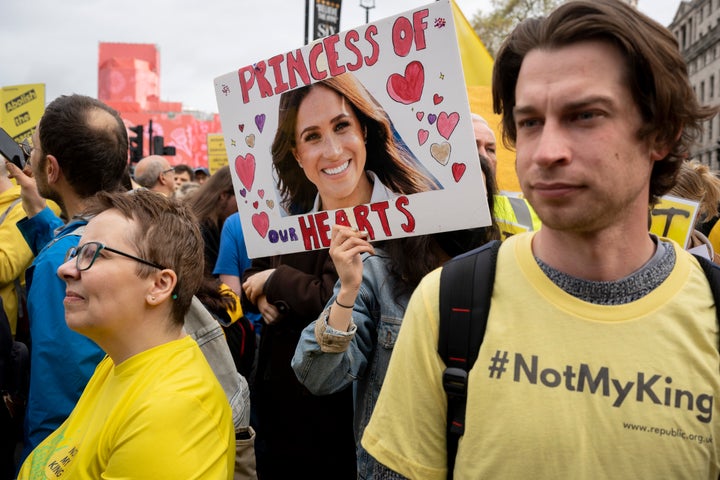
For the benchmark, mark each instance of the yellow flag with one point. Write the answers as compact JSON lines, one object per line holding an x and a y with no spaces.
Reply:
{"x":476,"y":60}
{"x":477,"y":66}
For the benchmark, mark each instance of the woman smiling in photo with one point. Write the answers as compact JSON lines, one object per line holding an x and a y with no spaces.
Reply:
{"x":335,"y":148}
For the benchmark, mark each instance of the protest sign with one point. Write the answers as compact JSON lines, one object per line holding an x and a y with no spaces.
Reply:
{"x":399,"y":83}
{"x":674,"y":218}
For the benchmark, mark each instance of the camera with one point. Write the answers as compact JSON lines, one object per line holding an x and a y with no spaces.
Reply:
{"x":11,"y":150}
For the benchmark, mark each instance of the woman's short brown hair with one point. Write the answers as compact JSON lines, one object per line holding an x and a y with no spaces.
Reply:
{"x":166,"y":234}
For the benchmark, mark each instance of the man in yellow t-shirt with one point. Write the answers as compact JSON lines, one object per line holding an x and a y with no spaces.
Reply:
{"x":153,"y":408}
{"x":600,"y":358}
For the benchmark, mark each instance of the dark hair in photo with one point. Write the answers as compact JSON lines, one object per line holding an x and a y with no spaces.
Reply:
{"x":386,"y":157}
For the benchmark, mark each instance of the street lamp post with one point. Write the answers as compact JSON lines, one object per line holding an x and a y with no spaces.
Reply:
{"x":367,"y":5}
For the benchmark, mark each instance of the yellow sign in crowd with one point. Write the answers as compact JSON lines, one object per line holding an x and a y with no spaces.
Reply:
{"x":22,"y":107}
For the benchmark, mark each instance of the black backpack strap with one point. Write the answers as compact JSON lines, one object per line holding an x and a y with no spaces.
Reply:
{"x":712,"y":272}
{"x":466,"y":284}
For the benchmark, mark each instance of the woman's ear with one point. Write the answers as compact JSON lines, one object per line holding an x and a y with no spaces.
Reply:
{"x":164,"y":283}
{"x":297,"y":158}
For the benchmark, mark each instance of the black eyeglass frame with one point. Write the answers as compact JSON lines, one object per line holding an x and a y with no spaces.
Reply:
{"x":74,"y":252}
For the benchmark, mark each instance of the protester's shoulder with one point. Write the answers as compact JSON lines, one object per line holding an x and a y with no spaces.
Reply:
{"x":429,"y":286}
{"x":67,"y":236}
{"x":233,"y":223}
{"x":683,"y":257}
{"x":15,"y":211}
{"x":44,"y":219}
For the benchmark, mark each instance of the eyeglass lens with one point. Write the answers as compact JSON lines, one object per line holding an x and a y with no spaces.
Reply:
{"x":84,"y":255}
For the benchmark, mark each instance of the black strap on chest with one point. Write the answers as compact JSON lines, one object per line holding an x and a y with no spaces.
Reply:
{"x":466,"y":284}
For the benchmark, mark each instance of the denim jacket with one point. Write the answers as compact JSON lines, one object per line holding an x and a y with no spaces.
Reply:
{"x":376,"y":318}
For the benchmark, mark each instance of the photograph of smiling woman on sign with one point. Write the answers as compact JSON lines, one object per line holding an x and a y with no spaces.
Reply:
{"x":335,"y":148}
{"x":368,"y":128}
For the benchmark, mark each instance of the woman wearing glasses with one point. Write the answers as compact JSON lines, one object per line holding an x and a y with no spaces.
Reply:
{"x":153,"y":408}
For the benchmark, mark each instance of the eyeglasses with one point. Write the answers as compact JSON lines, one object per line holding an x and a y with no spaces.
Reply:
{"x":86,"y":254}
{"x":165,"y":172}
{"x":27,"y":150}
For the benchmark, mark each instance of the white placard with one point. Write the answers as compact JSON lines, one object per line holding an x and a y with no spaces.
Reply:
{"x":408,"y":66}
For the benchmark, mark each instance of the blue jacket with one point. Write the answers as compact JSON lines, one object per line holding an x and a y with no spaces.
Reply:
{"x":61,"y":361}
{"x":232,"y":259}
{"x":377,"y":314}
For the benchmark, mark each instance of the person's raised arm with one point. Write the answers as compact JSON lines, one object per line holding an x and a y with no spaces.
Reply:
{"x":32,"y":202}
{"x":346,"y":245}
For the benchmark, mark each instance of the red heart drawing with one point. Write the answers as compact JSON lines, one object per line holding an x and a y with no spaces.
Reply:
{"x":255,"y":204}
{"x":419,"y":115}
{"x":261,"y":222}
{"x":241,"y":127}
{"x":423,"y":136}
{"x":407,"y":89}
{"x":245,"y":168}
{"x":458,"y":170}
{"x":261,"y":193}
{"x":437,"y":98}
{"x":447,"y":123}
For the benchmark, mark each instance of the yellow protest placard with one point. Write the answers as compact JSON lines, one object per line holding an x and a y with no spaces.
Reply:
{"x":22,"y":107}
{"x":674,"y":218}
{"x":217,"y":155}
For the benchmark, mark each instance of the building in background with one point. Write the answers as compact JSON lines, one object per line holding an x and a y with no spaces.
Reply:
{"x":129,"y":81}
{"x":696,"y":29}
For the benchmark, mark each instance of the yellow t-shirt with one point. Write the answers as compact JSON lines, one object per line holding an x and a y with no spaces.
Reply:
{"x":161,"y":414}
{"x":561,"y":388}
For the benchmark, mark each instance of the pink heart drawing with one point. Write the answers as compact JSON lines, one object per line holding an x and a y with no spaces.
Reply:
{"x":261,"y":222}
{"x":407,"y":89}
{"x":431,"y":118}
{"x":241,"y":127}
{"x":423,"y":136}
{"x":260,"y":121}
{"x":419,"y":115}
{"x":447,"y":123}
{"x":261,"y":193}
{"x":458,"y":170}
{"x":245,"y":168}
{"x":437,"y":98}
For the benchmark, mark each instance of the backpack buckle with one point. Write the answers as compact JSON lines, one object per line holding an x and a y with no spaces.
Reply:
{"x":455,"y":382}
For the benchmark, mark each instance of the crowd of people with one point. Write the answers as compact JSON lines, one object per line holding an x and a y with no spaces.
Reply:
{"x":138,"y":340}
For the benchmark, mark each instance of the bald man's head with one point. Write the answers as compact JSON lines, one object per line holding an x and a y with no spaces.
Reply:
{"x":155,"y":173}
{"x":485,"y":139}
